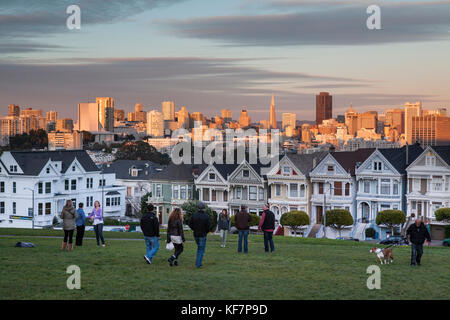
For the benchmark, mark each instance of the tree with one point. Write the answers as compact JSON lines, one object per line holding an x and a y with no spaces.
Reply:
{"x":390,"y":218}
{"x":35,"y":139}
{"x":191,"y":207}
{"x":144,"y":201}
{"x":338,"y":219}
{"x":254,"y":220}
{"x":442,"y":214}
{"x":294,"y":219}
{"x":134,"y":150}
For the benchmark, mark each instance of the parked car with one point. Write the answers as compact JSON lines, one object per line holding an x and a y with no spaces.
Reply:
{"x":347,"y":238}
{"x":399,"y":240}
{"x":446,"y":242}
{"x":118,"y":229}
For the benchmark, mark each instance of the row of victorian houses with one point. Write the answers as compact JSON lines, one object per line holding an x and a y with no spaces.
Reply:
{"x":364,"y":182}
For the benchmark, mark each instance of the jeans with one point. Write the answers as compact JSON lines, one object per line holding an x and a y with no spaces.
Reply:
{"x":80,"y":235}
{"x":178,"y":249}
{"x":152,"y":246}
{"x":416,"y":253}
{"x":223,"y":237}
{"x":243,"y":234}
{"x":268,"y":239}
{"x":98,"y":228}
{"x":201,"y":245}
{"x":68,"y":234}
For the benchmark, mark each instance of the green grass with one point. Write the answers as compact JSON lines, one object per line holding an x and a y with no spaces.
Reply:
{"x":299,"y":269}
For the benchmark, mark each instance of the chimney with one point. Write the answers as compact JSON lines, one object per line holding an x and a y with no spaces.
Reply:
{"x":407,"y":155}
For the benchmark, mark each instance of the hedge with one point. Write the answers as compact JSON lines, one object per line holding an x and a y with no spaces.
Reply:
{"x":442,"y":214}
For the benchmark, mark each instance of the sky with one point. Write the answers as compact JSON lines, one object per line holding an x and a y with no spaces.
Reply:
{"x":209,"y":55}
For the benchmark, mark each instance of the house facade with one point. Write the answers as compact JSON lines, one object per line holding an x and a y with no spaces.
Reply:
{"x":213,"y":188}
{"x":41,"y":182}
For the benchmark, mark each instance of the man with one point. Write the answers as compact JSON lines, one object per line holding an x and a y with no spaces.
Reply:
{"x":150,"y":228}
{"x":200,"y":225}
{"x":267,"y":225}
{"x":242,"y":222}
{"x":417,"y":233}
{"x":81,"y":224}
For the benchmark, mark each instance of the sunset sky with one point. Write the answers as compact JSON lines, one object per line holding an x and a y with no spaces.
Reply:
{"x":208,"y":55}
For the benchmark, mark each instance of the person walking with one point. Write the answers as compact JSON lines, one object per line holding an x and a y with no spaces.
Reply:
{"x":175,"y":234}
{"x":242,"y":222}
{"x":417,"y":233}
{"x":97,"y":217}
{"x":224,"y":227}
{"x":81,"y":225}
{"x":267,"y":225}
{"x":200,"y":225}
{"x":69,"y":216}
{"x":150,"y":229}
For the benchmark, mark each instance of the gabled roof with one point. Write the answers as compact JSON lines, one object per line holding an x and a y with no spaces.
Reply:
{"x":32,"y":162}
{"x":146,"y":169}
{"x":443,"y":152}
{"x":306,"y":162}
{"x":176,"y":172}
{"x":397,"y":157}
{"x":349,"y":159}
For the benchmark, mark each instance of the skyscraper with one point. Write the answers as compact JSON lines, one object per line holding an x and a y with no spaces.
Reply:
{"x":244,"y":119}
{"x":432,"y":129}
{"x":64,"y":125}
{"x":13,"y":110}
{"x":106,"y":113}
{"x":168,"y":110}
{"x":88,"y":117}
{"x":52,"y":116}
{"x":351,"y":121}
{"x":272,"y":115}
{"x":226,"y":115}
{"x":155,"y":124}
{"x":411,"y":110}
{"x":324,"y":107}
{"x":289,"y":120}
{"x":183,"y":118}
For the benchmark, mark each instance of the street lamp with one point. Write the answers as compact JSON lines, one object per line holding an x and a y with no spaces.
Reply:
{"x":32,"y":204}
{"x":325,"y":206}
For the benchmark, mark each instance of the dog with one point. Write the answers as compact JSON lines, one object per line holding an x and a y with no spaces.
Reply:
{"x":383,"y":254}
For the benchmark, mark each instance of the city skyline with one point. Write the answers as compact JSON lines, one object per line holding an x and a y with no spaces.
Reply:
{"x":132,"y":52}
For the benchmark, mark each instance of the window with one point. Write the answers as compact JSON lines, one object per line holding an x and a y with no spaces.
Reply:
{"x":14,"y":206}
{"x":205,"y":194}
{"x":287,"y":170}
{"x":238,"y":193}
{"x":48,"y":208}
{"x":430,"y":160}
{"x":48,"y":187}
{"x":320,"y":187}
{"x":108,"y":202}
{"x":89,"y":183}
{"x":89,"y":201}
{"x":66,"y":184}
{"x":225,"y":196}
{"x":385,"y":186}
{"x":302,"y":190}
{"x":395,"y":187}
{"x":102,"y":183}
{"x":338,"y":188}
{"x":377,"y":165}
{"x":261,"y":193}
{"x":73,"y":185}
{"x":13,"y":168}
{"x":245,"y":173}
{"x":48,"y":170}
{"x":277,"y":190}
{"x":330,"y":168}
{"x":158,"y":190}
{"x":183,"y":192}
{"x":175,"y":192}
{"x":347,"y":189}
{"x":252,"y":192}
{"x":293,"y":190}
{"x":73,"y":168}
{"x":189,"y":188}
{"x":2,"y":207}
{"x":134,"y":172}
{"x":40,"y":188}
{"x":212,"y":176}
{"x":2,"y":186}
{"x":40,"y":209}
{"x":366,"y":186}
{"x":14,"y":187}
{"x":213,"y":195}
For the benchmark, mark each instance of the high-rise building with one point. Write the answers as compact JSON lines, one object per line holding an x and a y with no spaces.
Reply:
{"x":306,"y":133}
{"x":395,"y":119}
{"x":411,"y":110}
{"x":351,"y":121}
{"x":30,"y":112}
{"x":88,"y":117}
{"x":106,"y":113}
{"x":183,"y":118}
{"x":51,"y":116}
{"x":430,"y":130}
{"x":65,"y":140}
{"x":324,"y":107}
{"x":244,"y":119}
{"x":119,"y":114}
{"x":227,"y":115}
{"x":155,"y":123}
{"x":198,"y":116}
{"x":13,"y":110}
{"x":272,"y":115}
{"x":168,"y":110}
{"x":289,"y":121}
{"x":368,"y":120}
{"x":64,"y":125}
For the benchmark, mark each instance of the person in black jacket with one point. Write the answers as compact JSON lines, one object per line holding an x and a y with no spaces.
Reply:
{"x":267,"y":225}
{"x":200,"y":225}
{"x":175,"y":234}
{"x":150,"y":229}
{"x":417,"y":233}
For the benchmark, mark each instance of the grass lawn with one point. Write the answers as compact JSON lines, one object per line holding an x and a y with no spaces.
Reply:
{"x":299,"y":269}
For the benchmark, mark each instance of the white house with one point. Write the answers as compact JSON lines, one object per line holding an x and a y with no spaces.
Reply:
{"x":41,"y":182}
{"x":213,"y":188}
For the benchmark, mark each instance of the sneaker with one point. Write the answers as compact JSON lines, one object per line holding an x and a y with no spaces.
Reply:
{"x":103,"y":245}
{"x":170,"y":261}
{"x":175,"y":263}
{"x":413,"y":265}
{"x":147,"y":259}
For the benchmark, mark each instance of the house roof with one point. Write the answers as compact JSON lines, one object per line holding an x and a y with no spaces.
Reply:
{"x":176,"y":172}
{"x":146,"y":169}
{"x":32,"y":162}
{"x":305,"y":162}
{"x":443,"y":152}
{"x":397,"y":157}
{"x":349,"y":159}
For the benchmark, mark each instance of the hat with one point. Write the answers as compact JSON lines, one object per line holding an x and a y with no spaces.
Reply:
{"x":201,"y":206}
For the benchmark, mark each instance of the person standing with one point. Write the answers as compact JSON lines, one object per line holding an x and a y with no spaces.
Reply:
{"x":97,"y":217}
{"x":175,"y":234}
{"x":200,"y":225}
{"x":417,"y":233}
{"x":224,"y":227}
{"x":267,"y":225}
{"x":81,"y":225}
{"x":150,"y":229}
{"x":242,"y":221}
{"x":69,"y":216}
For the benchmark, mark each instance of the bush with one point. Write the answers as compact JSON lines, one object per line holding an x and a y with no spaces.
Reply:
{"x":294,"y":219}
{"x":391,"y":218}
{"x":370,"y":233}
{"x":191,"y":207}
{"x":254,"y":220}
{"x":338,"y":219}
{"x":442,"y":214}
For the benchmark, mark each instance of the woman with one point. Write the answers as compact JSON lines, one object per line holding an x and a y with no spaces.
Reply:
{"x":224,"y":227}
{"x":81,"y":225}
{"x":175,"y":234}
{"x":68,"y":215}
{"x":97,"y":217}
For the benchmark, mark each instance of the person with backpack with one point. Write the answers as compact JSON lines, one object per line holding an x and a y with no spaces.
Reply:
{"x":199,"y":223}
{"x":242,"y":222}
{"x":69,"y":216}
{"x":81,"y":225}
{"x":150,"y":229}
{"x":267,"y":225}
{"x":175,"y":234}
{"x":224,"y":227}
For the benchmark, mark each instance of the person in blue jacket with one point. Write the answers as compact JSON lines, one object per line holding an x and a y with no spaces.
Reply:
{"x":81,"y":225}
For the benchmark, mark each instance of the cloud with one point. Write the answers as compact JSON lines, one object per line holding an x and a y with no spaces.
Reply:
{"x":323,"y":25}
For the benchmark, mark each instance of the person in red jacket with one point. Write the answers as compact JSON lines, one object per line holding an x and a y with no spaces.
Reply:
{"x":267,"y":225}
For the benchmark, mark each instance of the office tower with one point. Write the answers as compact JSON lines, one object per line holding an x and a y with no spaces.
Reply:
{"x":30,"y":112}
{"x":13,"y":110}
{"x":138,"y":115}
{"x":10,"y":126}
{"x":155,"y":123}
{"x":227,"y":115}
{"x":65,"y":140}
{"x":51,"y":116}
{"x":106,"y":113}
{"x":289,"y":120}
{"x":351,"y":121}
{"x":368,"y":120}
{"x":64,"y":125}
{"x":168,"y":110}
{"x":51,"y":126}
{"x":183,"y":118}
{"x":198,"y":116}
{"x":264,"y":124}
{"x":306,"y":133}
{"x":411,"y":110}
{"x":272,"y":115}
{"x":431,"y":130}
{"x":395,"y":119}
{"x":244,"y":119}
{"x":324,"y":107}
{"x":138,"y":107}
{"x":119,"y":115}
{"x":88,"y":117}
